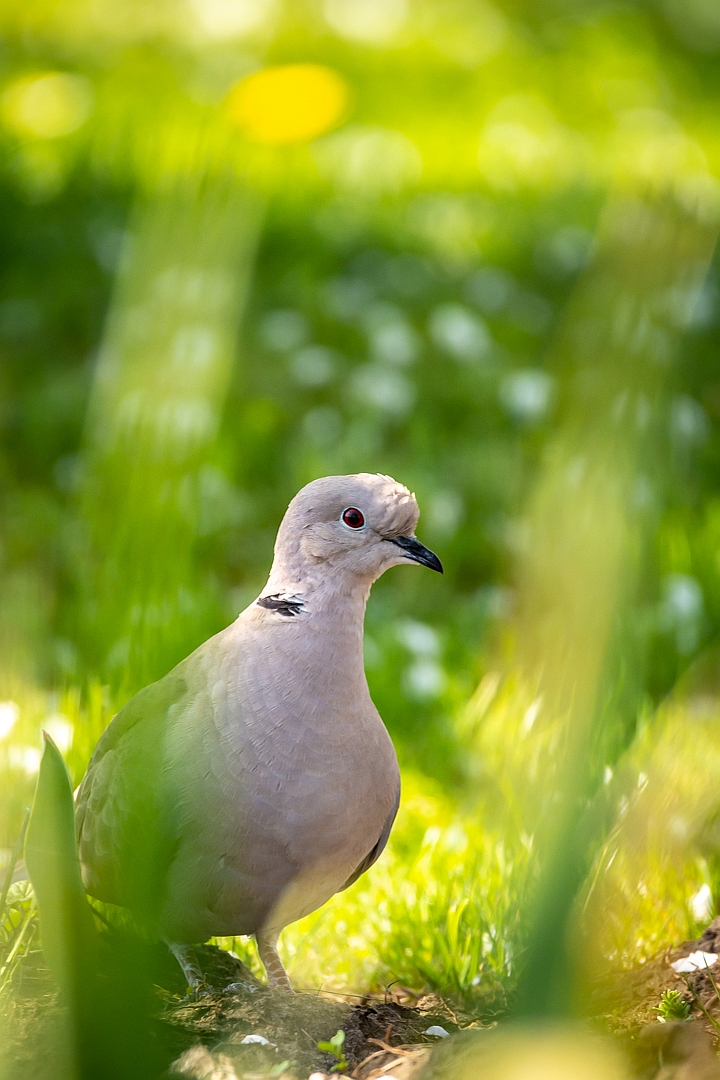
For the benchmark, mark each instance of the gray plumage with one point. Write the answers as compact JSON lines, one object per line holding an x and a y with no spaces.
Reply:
{"x":254,"y":781}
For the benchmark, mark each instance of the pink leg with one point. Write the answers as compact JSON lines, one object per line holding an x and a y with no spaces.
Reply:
{"x":277,"y":975}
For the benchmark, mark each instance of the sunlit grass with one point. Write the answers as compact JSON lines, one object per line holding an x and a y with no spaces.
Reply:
{"x":654,"y":882}
{"x":440,"y":911}
{"x":443,"y":909}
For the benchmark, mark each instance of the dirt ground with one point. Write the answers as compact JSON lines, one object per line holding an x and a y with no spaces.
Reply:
{"x":388,"y":1035}
{"x":384,"y":1035}
{"x":684,"y":1050}
{"x":238,"y":1029}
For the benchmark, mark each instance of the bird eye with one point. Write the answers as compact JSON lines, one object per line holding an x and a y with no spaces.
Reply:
{"x":353,"y":517}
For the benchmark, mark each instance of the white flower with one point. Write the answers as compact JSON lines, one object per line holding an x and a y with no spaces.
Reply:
{"x":259,"y":1039}
{"x":701,"y":904}
{"x":460,"y":332}
{"x":425,"y":679}
{"x":696,"y":961}
{"x":527,"y":394}
{"x":60,"y":730}
{"x":26,"y":758}
{"x":437,"y":1031}
{"x":9,"y":713}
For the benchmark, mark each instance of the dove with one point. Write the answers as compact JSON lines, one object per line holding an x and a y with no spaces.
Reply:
{"x":254,"y":781}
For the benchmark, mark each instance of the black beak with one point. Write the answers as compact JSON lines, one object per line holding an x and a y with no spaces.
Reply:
{"x":417,"y":552}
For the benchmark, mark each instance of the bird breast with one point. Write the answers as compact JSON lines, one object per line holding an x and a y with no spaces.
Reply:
{"x":293,"y":746}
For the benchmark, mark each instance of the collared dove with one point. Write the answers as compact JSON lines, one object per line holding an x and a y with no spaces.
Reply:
{"x":255,"y":780}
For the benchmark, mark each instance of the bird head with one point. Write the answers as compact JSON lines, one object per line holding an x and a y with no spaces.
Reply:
{"x":360,"y":524}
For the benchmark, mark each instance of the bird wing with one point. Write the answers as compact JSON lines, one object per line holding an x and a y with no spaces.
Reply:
{"x":127,"y":834}
{"x":377,"y":850}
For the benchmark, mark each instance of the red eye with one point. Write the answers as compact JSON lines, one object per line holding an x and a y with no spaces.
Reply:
{"x":353,"y":517}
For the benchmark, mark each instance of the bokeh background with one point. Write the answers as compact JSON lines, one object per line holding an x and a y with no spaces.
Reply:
{"x":466,"y":244}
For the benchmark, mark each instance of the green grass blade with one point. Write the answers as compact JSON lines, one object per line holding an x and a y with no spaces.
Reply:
{"x":105,"y":985}
{"x":66,"y":925}
{"x":13,"y":863}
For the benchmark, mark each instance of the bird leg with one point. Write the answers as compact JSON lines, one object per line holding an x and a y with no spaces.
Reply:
{"x":276,"y":973}
{"x":186,"y":958}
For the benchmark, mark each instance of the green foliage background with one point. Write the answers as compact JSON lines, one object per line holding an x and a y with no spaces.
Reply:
{"x":397,"y":297}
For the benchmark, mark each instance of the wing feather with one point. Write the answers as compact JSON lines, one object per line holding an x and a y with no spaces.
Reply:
{"x":376,"y":851}
{"x":126,"y":830}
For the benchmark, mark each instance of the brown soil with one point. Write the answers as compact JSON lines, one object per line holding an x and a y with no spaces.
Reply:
{"x":381,"y":1033}
{"x":202,"y":1038}
{"x":685,"y":1050}
{"x":634,"y":995}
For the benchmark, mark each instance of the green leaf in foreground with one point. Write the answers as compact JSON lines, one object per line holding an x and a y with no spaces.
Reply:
{"x":68,"y":934}
{"x":104,"y":986}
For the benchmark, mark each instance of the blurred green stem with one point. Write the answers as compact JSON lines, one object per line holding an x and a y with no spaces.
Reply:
{"x":586,"y":539}
{"x":13,"y":862}
{"x":160,"y":387}
{"x":13,"y":958}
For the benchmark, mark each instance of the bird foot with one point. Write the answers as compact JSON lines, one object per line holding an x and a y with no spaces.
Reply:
{"x":186,"y":957}
{"x":241,"y":988}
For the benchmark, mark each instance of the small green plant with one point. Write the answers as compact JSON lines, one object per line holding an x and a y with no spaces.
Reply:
{"x":18,"y":917}
{"x":673,"y":1006}
{"x":18,"y":929}
{"x":335,"y":1047}
{"x":712,"y":1019}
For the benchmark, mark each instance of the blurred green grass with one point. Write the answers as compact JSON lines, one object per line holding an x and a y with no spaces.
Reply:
{"x":446,"y":909}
